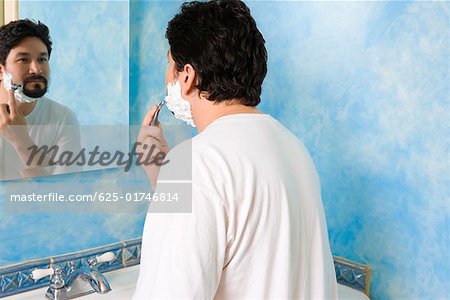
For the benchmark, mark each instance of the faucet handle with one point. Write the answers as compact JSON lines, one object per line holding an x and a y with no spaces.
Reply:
{"x":105,"y":257}
{"x":37,"y":274}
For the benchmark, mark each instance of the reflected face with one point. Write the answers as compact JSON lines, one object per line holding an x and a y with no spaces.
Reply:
{"x":28,"y":64}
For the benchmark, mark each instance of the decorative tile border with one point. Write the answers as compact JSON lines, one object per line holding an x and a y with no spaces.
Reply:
{"x":17,"y":279}
{"x":352,"y":274}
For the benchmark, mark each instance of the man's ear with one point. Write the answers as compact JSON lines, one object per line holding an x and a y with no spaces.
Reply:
{"x":2,"y":69}
{"x":188,"y":79}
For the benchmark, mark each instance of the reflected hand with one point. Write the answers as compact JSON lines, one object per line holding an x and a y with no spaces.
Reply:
{"x":151,"y":136}
{"x":13,"y":125}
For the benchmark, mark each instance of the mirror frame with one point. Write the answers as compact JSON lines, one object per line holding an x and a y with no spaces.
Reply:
{"x":9,"y":11}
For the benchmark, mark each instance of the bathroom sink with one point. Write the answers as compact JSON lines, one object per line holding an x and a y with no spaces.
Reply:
{"x":123,"y":282}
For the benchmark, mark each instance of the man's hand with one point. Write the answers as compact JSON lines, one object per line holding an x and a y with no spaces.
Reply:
{"x":13,"y":125}
{"x":147,"y":137}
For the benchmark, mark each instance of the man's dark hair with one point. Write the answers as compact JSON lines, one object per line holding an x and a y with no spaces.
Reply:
{"x":219,"y":38}
{"x":14,"y":32}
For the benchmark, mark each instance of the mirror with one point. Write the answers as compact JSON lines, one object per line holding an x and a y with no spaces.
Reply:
{"x":86,"y":105}
{"x":89,"y":76}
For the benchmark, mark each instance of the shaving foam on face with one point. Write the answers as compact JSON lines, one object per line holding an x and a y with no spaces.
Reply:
{"x":7,"y":77}
{"x":180,"y":107}
{"x":18,"y":89}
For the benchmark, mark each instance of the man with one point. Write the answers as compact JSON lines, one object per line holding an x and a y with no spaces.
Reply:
{"x":27,"y":117}
{"x":257,"y":228}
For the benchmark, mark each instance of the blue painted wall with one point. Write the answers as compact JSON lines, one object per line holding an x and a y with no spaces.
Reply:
{"x":365,"y":85}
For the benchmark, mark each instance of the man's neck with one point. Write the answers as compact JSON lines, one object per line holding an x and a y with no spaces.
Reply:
{"x":207,"y":112}
{"x":26,"y":108}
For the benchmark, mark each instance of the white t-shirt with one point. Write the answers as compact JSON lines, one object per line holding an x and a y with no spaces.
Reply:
{"x":50,"y":123}
{"x":257,"y":228}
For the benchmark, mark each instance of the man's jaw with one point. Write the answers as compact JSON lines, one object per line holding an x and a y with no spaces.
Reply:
{"x":35,"y":86}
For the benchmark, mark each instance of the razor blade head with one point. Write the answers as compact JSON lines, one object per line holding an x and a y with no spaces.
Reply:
{"x":15,"y":86}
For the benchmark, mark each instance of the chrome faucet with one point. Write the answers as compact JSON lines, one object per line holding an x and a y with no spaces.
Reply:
{"x":82,"y":281}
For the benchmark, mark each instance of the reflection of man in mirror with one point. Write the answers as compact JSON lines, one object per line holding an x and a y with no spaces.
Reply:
{"x":27,"y":117}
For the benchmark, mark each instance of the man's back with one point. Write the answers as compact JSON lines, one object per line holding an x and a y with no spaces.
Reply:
{"x":257,"y":221}
{"x":278,"y":243}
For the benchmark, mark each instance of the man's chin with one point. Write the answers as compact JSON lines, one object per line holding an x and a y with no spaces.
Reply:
{"x":34,"y":93}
